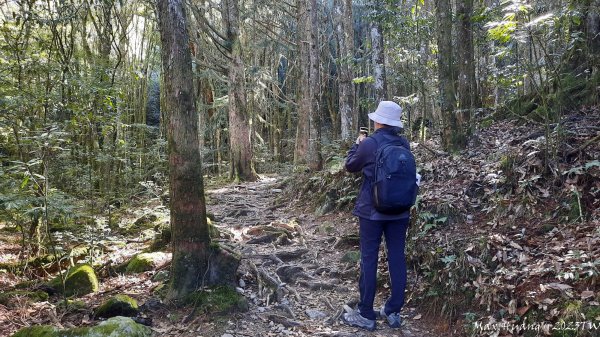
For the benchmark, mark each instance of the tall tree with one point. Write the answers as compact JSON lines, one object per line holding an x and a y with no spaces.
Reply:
{"x":445,"y":63}
{"x":345,"y":32}
{"x":378,"y":53}
{"x":239,"y":121}
{"x":308,"y":135}
{"x":467,"y":85}
{"x":193,"y":255}
{"x":593,"y":30}
{"x":315,"y":161}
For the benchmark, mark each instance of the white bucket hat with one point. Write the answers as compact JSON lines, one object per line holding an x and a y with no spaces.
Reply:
{"x":388,"y":113}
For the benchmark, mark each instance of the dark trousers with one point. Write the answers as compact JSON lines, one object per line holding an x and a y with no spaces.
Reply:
{"x":370,"y":240}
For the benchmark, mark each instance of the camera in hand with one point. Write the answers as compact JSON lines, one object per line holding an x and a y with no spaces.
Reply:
{"x":364,"y":131}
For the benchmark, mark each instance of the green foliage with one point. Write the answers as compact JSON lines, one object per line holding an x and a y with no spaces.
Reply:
{"x":428,"y":221}
{"x":73,"y":139}
{"x":363,"y":79}
{"x":449,"y":259}
{"x":578,"y":170}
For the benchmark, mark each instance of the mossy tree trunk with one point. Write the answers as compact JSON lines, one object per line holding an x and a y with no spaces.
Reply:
{"x":314,"y":158}
{"x":452,"y":136}
{"x":304,"y":104}
{"x":192,"y":249}
{"x":467,"y":85}
{"x":378,"y":53}
{"x":240,"y":140}
{"x":345,"y":33}
{"x":308,"y":132}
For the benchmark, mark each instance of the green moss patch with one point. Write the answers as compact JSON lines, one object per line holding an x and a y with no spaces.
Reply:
{"x":351,"y":257}
{"x":220,"y":300}
{"x":119,"y":305}
{"x":146,"y":261}
{"x":162,"y":239}
{"x":73,"y":305}
{"x":37,"y":331}
{"x":7,"y":298}
{"x":113,"y":327}
{"x":160,"y":276}
{"x":80,"y":280}
{"x":146,"y":220}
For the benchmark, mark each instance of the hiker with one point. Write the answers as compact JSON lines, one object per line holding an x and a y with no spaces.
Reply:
{"x":373,"y":224}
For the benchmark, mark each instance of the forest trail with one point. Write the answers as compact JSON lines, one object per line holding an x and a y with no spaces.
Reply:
{"x":298,"y":269}
{"x":297,"y":272}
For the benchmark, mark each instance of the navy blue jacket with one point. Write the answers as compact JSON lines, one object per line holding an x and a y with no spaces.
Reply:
{"x":362,"y":157}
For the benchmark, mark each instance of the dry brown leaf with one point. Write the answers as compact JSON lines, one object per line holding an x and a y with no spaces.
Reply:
{"x":558,"y":286}
{"x":523,"y":310}
{"x":587,"y":294}
{"x":515,"y":245}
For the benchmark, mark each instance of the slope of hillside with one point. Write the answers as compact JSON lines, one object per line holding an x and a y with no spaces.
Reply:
{"x":506,"y":232}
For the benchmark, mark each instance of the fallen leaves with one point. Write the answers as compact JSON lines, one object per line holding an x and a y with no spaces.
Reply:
{"x":522,"y":219}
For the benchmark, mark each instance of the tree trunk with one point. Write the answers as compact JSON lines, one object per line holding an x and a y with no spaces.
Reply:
{"x":192,"y":250}
{"x":308,"y":135}
{"x":467,"y":86}
{"x":593,"y":34}
{"x":378,"y":58}
{"x":303,"y":83}
{"x":451,"y":133}
{"x":240,"y":143}
{"x":314,"y":158}
{"x":345,"y":32}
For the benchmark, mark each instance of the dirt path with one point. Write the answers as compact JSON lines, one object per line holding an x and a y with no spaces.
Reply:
{"x":295,"y":274}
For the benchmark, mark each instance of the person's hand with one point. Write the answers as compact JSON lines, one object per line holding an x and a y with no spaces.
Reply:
{"x":360,"y":138}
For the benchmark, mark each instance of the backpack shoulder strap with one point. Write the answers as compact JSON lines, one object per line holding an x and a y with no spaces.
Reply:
{"x":388,"y":139}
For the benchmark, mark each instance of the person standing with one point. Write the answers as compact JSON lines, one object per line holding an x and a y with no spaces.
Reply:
{"x":373,"y":224}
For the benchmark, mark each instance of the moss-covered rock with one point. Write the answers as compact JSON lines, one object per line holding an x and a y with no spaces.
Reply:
{"x":118,"y":327}
{"x":219,"y":300}
{"x":166,"y":234}
{"x":37,"y":331}
{"x":160,"y":290}
{"x":73,"y":305}
{"x":113,"y":327}
{"x":146,"y":261}
{"x":218,"y":233}
{"x":145,"y":220}
{"x":160,"y":276}
{"x":6,"y":298}
{"x":162,"y":238}
{"x":80,"y":280}
{"x":213,"y":231}
{"x":119,"y":305}
{"x":351,"y":257}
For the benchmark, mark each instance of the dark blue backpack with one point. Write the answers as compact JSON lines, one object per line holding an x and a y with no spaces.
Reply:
{"x":395,"y":183}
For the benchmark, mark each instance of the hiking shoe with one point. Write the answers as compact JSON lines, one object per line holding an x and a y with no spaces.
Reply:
{"x":394,"y":320}
{"x":354,"y":318}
